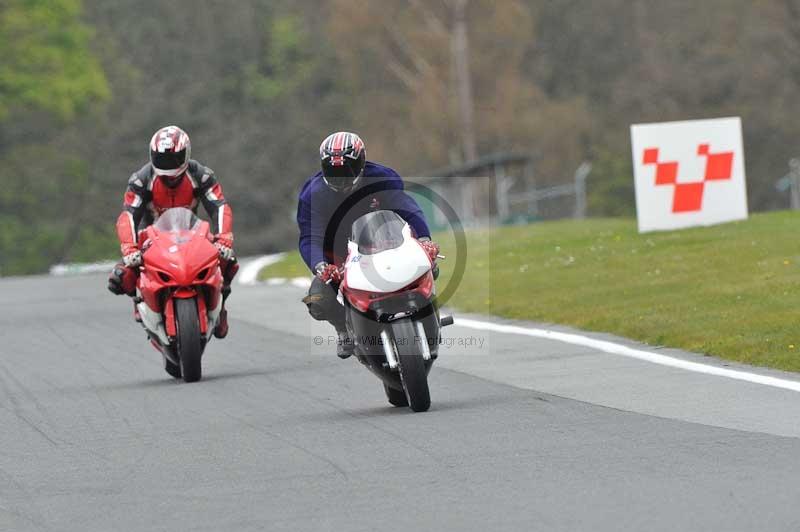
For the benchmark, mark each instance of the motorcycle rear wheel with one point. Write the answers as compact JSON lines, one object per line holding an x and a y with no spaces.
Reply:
{"x":413,"y":374}
{"x":190,"y":346}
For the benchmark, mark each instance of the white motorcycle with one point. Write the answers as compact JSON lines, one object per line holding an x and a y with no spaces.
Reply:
{"x":389,"y":295}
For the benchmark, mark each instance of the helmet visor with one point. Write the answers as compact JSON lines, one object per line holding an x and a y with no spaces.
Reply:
{"x":169,"y":160}
{"x":341,"y":176}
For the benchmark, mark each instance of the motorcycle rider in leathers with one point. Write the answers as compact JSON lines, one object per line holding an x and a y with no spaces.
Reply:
{"x":348,"y":187}
{"x":172,"y":179}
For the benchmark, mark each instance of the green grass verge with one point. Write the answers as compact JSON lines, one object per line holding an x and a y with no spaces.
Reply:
{"x":729,"y":291}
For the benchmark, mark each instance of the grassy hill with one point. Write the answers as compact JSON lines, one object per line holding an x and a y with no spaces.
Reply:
{"x":730,"y":290}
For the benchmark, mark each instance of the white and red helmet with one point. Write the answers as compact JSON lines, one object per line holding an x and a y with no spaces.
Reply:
{"x":170,"y":150}
{"x":343,"y":158}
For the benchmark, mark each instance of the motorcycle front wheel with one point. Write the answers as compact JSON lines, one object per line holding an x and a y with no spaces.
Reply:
{"x":190,"y":346}
{"x":413,"y":373}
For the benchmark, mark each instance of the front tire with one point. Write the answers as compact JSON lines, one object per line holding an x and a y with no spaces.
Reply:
{"x":190,"y":346}
{"x":413,"y":373}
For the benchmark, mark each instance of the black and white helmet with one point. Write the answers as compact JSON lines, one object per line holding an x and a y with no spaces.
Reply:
{"x":343,"y":158}
{"x":170,"y":150}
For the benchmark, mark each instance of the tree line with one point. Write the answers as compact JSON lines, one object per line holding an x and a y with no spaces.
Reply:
{"x":258,"y":84}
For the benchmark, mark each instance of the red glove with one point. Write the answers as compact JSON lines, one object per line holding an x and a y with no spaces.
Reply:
{"x":431,"y":248}
{"x":329,"y":273}
{"x":224,"y":244}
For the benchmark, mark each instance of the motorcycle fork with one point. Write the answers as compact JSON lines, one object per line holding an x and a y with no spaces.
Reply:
{"x":169,"y":310}
{"x":202,"y":313}
{"x":169,"y":318}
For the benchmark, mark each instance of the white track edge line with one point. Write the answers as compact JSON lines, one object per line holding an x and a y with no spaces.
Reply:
{"x":618,"y":349}
{"x":250,"y":269}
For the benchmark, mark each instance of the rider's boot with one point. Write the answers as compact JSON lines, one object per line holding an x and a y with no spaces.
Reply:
{"x":345,"y":346}
{"x":229,"y":269}
{"x":221,"y":330}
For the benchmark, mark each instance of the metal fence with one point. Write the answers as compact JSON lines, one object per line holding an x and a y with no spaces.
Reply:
{"x":502,"y":188}
{"x":791,"y":183}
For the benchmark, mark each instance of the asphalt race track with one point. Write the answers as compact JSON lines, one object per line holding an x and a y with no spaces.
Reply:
{"x":282,"y":435}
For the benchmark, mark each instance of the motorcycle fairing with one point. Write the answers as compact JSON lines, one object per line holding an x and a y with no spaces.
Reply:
{"x":389,"y":270}
{"x":179,"y":258}
{"x":153,"y":322}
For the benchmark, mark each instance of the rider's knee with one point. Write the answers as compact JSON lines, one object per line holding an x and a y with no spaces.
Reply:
{"x":315,"y":306}
{"x":320,"y":300}
{"x":122,"y":280}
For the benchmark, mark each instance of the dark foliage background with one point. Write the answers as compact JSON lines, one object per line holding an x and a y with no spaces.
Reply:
{"x":258,"y":84}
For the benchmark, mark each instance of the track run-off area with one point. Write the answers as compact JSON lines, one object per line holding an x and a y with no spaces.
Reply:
{"x":526,"y":431}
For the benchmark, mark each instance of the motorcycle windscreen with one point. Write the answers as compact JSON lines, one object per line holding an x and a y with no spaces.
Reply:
{"x":176,"y":220}
{"x":378,"y":231}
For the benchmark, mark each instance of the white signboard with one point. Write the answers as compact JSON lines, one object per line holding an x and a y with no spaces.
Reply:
{"x":688,"y":173}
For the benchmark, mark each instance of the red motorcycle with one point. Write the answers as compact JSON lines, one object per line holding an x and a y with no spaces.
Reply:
{"x":179,"y":290}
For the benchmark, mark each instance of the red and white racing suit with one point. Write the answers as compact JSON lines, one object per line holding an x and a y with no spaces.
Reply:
{"x":148,"y":195}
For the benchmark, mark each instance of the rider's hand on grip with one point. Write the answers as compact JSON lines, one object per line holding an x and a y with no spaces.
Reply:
{"x":224,"y":244}
{"x":224,"y":251}
{"x":431,"y":249}
{"x":132,"y":259}
{"x":329,"y":273}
